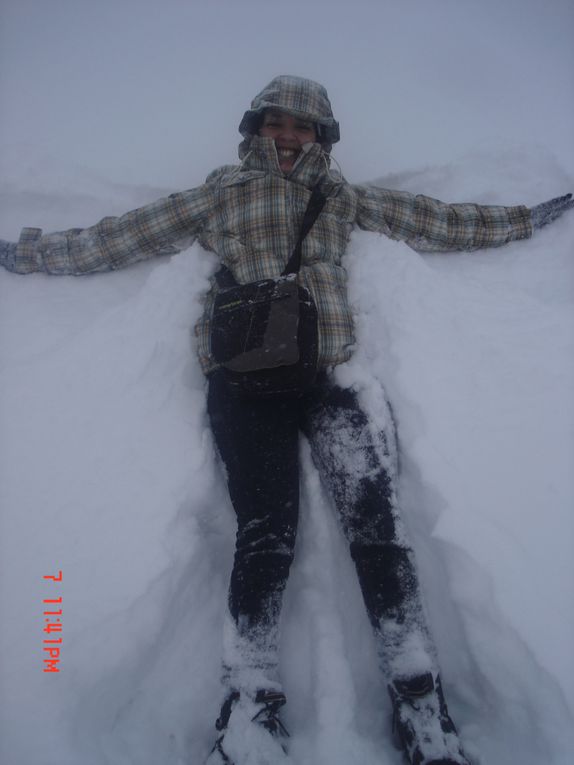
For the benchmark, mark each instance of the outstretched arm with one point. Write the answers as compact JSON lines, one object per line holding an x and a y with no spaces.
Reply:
{"x":161,"y":228}
{"x":429,"y":225}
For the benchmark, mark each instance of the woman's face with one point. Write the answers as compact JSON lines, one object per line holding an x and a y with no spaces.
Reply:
{"x":289,"y":134}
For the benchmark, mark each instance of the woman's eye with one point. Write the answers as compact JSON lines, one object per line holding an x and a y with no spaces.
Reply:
{"x":278,"y":125}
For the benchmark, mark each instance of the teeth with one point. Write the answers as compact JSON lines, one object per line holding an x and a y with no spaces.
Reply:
{"x":287,"y":153}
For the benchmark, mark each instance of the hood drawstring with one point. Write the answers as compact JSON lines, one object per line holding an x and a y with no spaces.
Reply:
{"x":244,"y":160}
{"x":334,"y":178}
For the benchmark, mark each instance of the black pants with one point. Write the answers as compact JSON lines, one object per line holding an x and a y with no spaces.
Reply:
{"x":258,"y":443}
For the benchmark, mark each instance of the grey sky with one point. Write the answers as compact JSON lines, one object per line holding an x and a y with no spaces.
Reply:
{"x":151,"y":92}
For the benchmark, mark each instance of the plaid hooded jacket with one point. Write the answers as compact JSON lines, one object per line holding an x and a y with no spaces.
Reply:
{"x":250,"y":215}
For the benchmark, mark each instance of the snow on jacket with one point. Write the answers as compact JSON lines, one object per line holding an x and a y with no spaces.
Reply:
{"x":250,"y":215}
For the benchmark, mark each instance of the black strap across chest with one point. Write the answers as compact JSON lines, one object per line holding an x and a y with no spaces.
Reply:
{"x":225,"y":278}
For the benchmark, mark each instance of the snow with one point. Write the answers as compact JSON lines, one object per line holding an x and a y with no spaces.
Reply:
{"x":107,"y":466}
{"x":108,"y":473}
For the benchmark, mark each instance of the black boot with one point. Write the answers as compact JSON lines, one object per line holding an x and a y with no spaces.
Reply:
{"x":422,"y":726}
{"x":248,"y":725}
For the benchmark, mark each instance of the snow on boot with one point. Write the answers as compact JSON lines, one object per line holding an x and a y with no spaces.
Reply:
{"x":251,"y":731}
{"x":422,"y":726}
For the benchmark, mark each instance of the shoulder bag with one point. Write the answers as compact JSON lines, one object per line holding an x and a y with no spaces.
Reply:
{"x":264,"y":334}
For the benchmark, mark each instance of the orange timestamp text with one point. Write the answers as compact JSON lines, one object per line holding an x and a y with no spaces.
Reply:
{"x":53,"y":628}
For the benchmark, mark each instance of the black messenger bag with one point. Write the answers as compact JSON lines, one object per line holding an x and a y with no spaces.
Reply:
{"x":264,"y":334}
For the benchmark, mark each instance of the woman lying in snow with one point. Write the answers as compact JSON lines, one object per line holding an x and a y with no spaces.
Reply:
{"x":268,"y":356}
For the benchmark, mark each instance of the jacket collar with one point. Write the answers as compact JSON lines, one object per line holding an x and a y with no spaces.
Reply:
{"x":311,"y":166}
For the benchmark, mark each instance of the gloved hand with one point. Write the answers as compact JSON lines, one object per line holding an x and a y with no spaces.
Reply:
{"x":8,"y":254}
{"x":548,"y":211}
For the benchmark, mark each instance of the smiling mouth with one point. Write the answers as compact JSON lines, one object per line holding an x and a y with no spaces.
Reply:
{"x":287,"y":154}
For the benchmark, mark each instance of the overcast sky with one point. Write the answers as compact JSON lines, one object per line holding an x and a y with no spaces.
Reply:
{"x":152,"y":91}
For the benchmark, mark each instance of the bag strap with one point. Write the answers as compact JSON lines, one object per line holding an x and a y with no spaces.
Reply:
{"x":225,"y":278}
{"x":314,"y":207}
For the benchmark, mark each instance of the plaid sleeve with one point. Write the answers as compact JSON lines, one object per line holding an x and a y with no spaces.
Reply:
{"x":161,"y":228}
{"x":429,"y":225}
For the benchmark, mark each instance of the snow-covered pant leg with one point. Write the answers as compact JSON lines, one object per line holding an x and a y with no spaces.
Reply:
{"x":258,"y":443}
{"x":358,"y":463}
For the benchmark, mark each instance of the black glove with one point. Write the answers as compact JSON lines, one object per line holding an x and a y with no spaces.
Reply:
{"x":8,"y":255}
{"x":548,"y":211}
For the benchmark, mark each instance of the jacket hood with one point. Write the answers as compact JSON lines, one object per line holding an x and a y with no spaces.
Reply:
{"x":298,"y":96}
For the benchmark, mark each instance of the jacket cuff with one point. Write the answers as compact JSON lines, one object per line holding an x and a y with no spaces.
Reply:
{"x":521,"y":222}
